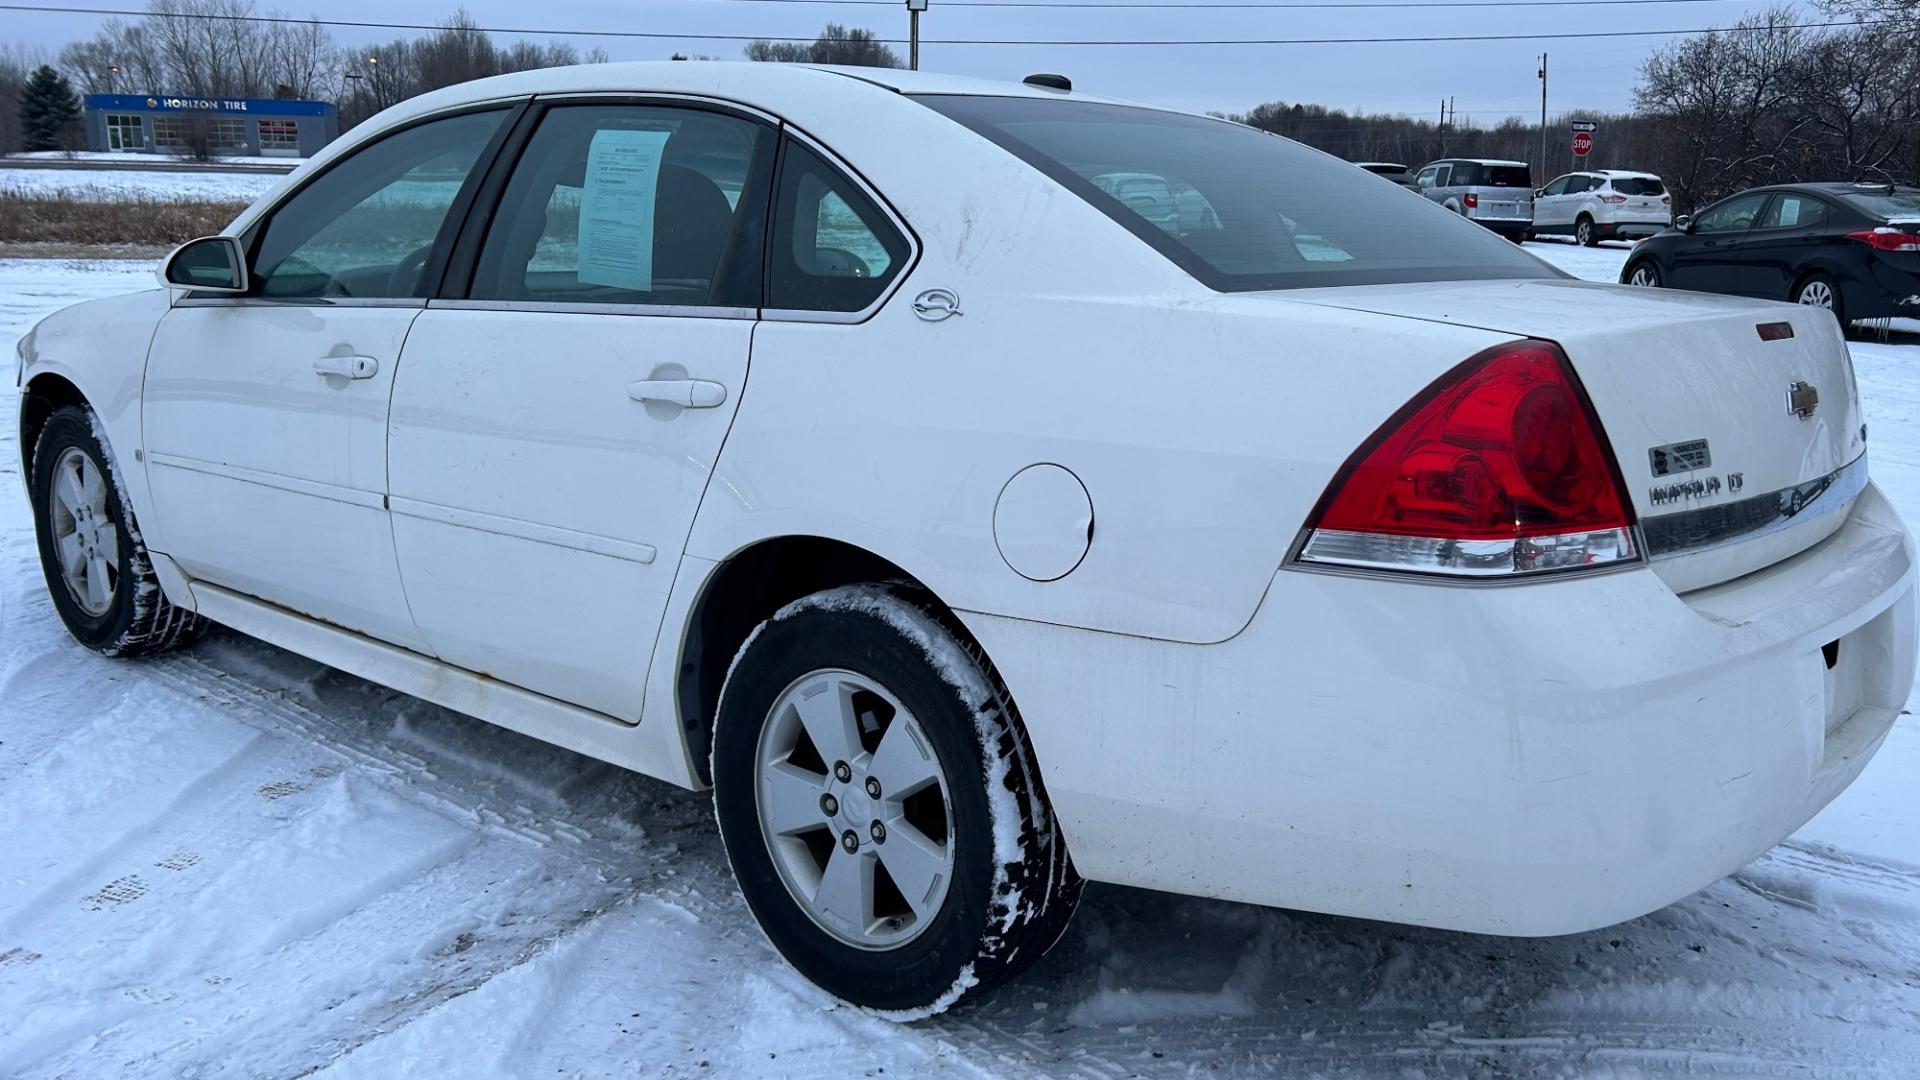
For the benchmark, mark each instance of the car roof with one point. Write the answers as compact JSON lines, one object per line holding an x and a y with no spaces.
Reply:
{"x":1625,"y":173}
{"x":1380,"y":165}
{"x":1484,"y":161}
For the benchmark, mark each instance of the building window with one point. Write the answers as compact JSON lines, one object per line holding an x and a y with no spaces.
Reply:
{"x":279,"y":135}
{"x":124,"y":132}
{"x":172,"y":132}
{"x":229,"y":133}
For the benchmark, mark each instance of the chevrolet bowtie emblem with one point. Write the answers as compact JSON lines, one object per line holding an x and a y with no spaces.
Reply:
{"x":1802,"y":399}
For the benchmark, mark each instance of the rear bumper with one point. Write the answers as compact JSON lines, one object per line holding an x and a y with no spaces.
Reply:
{"x":1628,"y":230}
{"x":1534,"y":759}
{"x":1887,"y":291}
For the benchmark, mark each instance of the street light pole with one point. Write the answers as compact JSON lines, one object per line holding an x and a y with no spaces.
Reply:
{"x":914,"y":8}
{"x":1545,"y":165}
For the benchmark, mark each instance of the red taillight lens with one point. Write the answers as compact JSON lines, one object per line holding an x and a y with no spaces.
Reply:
{"x":1470,"y":201}
{"x":1887,"y":239}
{"x":1666,"y":199}
{"x":1499,"y":468}
{"x":1613,"y":198}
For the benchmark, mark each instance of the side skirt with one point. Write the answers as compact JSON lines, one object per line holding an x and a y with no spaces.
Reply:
{"x":597,"y":735}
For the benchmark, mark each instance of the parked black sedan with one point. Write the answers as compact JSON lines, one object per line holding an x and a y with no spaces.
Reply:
{"x":1851,"y":248}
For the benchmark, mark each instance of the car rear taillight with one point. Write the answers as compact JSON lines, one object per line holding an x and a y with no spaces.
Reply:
{"x":1497,"y":469}
{"x":1668,"y":199}
{"x":1470,"y":201}
{"x":1887,"y":239}
{"x":1613,"y":198}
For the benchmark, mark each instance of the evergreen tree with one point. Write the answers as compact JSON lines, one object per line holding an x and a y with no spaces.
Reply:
{"x":49,"y":111}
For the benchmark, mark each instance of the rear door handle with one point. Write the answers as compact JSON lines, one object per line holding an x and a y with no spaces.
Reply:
{"x":686,"y":393}
{"x":346,"y":367}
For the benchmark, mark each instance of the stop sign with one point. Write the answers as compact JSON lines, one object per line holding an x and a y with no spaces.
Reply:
{"x":1582,"y":143}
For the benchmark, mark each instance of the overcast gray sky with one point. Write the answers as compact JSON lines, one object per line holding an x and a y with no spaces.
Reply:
{"x":1489,"y":79}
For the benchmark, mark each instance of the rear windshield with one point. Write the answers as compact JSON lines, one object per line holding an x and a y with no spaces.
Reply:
{"x":1239,"y":209}
{"x":1471,"y":173}
{"x":1638,"y":185}
{"x":1899,"y":206}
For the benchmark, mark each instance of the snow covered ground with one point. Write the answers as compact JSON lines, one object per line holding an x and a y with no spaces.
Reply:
{"x":116,"y":185}
{"x":234,"y":862}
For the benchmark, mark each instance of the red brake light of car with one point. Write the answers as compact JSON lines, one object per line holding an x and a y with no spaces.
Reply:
{"x":1498,"y":469}
{"x":1613,"y":198}
{"x":1470,"y":201}
{"x":1886,"y":239}
{"x":1666,"y":199}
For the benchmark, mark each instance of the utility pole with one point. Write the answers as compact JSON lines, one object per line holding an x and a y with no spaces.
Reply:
{"x":914,"y":8}
{"x":1544,"y":166}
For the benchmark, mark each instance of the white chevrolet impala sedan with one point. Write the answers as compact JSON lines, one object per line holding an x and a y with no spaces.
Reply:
{"x":989,"y":487}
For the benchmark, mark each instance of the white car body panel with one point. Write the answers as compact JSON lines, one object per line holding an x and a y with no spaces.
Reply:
{"x":554,"y":473}
{"x":1521,"y":758}
{"x":241,"y":427}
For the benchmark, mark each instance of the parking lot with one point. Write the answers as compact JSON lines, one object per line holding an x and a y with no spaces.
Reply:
{"x":233,"y":861}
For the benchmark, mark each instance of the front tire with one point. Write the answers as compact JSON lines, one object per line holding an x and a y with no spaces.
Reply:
{"x":1645,"y":273}
{"x":880,"y":805}
{"x":95,"y":564}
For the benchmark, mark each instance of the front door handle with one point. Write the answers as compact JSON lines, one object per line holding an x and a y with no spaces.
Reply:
{"x":686,"y":393}
{"x":346,"y":367}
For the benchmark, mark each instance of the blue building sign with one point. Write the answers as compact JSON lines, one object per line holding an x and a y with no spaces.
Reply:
{"x":179,"y":124}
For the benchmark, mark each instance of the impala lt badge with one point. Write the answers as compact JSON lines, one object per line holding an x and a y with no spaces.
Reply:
{"x":1802,"y":399}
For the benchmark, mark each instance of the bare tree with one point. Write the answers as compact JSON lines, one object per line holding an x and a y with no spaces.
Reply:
{"x":835,"y":45}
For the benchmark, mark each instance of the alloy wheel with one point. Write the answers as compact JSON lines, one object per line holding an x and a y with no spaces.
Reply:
{"x":854,"y":809}
{"x":85,"y":539}
{"x":1817,"y":293}
{"x":1645,"y":277}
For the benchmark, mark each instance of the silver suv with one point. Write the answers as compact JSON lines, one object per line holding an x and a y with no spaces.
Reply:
{"x":1497,"y":194}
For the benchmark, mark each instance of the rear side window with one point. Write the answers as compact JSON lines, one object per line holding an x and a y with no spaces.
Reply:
{"x":1239,"y":209}
{"x":1638,"y":185}
{"x":832,"y":249}
{"x":632,"y":204}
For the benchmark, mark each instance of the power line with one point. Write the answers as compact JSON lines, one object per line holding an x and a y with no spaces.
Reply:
{"x":1240,"y":5}
{"x":524,"y":31}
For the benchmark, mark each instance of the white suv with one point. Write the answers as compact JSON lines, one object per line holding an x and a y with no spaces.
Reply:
{"x":1606,"y":204}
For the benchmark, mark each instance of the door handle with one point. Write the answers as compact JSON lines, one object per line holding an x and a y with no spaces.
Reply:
{"x":346,"y":367}
{"x":686,"y":393}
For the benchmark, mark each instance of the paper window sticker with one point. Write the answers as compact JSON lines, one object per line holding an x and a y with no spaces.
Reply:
{"x":616,"y":209}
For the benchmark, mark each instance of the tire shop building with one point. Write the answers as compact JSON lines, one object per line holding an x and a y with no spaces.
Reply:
{"x":231,"y":127}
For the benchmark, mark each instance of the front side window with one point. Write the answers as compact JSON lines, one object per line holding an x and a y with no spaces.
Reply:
{"x":366,"y":226}
{"x":1558,"y":187}
{"x":832,"y":249}
{"x":1734,"y":215}
{"x":632,"y":204}
{"x":1242,"y":210}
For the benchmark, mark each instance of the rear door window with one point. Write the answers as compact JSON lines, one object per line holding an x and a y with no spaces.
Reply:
{"x":1237,"y":208}
{"x":632,"y":204}
{"x":1794,"y":212}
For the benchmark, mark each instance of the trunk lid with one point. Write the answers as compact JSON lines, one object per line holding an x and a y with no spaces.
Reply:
{"x":1508,"y":203}
{"x":1697,"y":405}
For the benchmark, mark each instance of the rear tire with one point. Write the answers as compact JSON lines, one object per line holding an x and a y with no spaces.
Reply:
{"x":806,"y":800}
{"x":1645,"y":273}
{"x":1819,"y":290}
{"x":1586,"y":232}
{"x":96,"y":565}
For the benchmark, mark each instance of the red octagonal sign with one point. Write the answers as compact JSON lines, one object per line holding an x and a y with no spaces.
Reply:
{"x":1582,"y":143}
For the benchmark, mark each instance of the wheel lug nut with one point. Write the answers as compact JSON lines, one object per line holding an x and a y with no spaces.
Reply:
{"x":878,"y":831}
{"x":873,"y":788}
{"x":850,"y":840}
{"x":842,"y":771}
{"x":829,"y":805}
